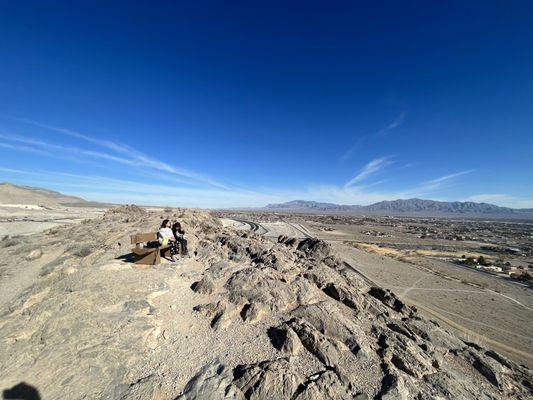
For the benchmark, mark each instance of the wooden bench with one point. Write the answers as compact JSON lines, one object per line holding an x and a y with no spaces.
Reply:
{"x":148,"y":255}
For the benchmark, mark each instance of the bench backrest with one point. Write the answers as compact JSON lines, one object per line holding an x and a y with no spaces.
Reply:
{"x":143,"y":237}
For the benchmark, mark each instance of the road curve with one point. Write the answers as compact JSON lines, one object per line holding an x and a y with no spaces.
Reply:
{"x":254,"y":227}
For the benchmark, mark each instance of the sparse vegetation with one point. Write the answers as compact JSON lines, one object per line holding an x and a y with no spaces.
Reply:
{"x":482,"y":261}
{"x":470,"y":261}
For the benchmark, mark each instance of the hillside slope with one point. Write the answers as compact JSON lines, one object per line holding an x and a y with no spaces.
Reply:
{"x":245,"y":318}
{"x":13,"y":194}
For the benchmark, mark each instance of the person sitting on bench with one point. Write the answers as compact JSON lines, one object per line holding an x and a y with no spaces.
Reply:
{"x":179,"y":233}
{"x":167,"y":238}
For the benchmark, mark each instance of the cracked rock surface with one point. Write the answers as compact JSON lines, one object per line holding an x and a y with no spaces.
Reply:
{"x":243,"y":318}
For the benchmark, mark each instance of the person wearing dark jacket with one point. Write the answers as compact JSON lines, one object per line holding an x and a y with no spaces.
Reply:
{"x":179,"y":234}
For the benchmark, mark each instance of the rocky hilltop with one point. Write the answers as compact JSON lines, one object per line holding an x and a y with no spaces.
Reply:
{"x":244,"y":318}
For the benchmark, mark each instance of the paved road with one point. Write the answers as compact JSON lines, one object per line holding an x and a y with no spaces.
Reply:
{"x":274,"y":230}
{"x":254,"y":227}
{"x":299,"y":228}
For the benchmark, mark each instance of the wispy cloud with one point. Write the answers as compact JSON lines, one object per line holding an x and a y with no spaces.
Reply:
{"x":102,"y":188}
{"x":501,"y":199}
{"x":187,"y":188}
{"x":433,"y":185}
{"x":489,"y":198}
{"x":448,"y":177}
{"x":118,"y":147}
{"x":369,"y":169}
{"x":26,"y":149}
{"x":59,"y":151}
{"x":354,"y":147}
{"x":134,"y":157}
{"x":396,"y":123}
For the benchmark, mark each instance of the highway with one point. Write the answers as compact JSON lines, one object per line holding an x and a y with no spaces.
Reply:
{"x":254,"y":227}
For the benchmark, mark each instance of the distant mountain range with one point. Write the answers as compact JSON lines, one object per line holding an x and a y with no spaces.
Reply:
{"x":418,"y":207}
{"x":310,"y":206}
{"x":26,"y":195}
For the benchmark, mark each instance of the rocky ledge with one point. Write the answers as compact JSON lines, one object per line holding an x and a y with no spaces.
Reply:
{"x":244,"y":318}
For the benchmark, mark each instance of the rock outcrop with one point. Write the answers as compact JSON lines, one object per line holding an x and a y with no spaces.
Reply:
{"x":363,"y":340}
{"x":244,"y":318}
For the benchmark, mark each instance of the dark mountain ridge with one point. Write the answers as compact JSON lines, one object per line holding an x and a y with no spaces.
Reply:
{"x":404,"y":206}
{"x":311,"y":205}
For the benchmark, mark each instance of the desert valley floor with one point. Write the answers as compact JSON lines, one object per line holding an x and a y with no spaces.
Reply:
{"x":262,"y":309}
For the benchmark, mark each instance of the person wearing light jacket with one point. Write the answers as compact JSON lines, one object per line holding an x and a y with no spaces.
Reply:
{"x":166,"y":238}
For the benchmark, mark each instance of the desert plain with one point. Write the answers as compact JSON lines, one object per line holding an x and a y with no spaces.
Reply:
{"x":268,"y":305}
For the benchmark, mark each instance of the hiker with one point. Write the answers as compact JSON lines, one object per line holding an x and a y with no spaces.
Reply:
{"x":179,"y":234}
{"x":166,"y":238}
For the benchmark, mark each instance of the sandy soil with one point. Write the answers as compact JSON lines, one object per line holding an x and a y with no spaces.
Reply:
{"x":244,"y":315}
{"x":26,"y":221}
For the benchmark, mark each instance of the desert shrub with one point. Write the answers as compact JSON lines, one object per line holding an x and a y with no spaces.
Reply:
{"x":470,"y":261}
{"x":482,"y":261}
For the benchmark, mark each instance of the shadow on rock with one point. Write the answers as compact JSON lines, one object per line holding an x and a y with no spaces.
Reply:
{"x":128,"y":258}
{"x":22,"y":391}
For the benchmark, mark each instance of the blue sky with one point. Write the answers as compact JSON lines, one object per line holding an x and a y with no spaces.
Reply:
{"x":218,"y":104}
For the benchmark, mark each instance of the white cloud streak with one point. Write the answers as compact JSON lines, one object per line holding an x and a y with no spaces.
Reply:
{"x":369,"y":169}
{"x":105,"y":189}
{"x":445,"y":178}
{"x":26,"y":149}
{"x":434,"y":185}
{"x":501,"y":199}
{"x":199,"y":191}
{"x":135,"y":157}
{"x":354,"y":147}
{"x":398,"y":121}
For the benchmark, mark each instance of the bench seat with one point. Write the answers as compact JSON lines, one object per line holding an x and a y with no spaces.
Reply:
{"x":147,"y":255}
